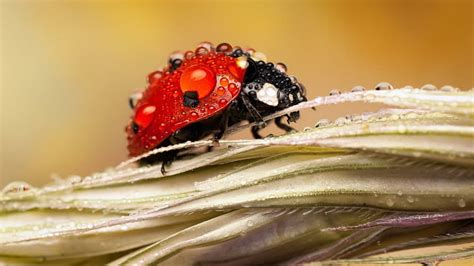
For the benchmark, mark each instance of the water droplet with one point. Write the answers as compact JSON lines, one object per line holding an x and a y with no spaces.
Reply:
{"x":74,"y":179}
{"x":194,"y":115}
{"x":16,"y":187}
{"x":162,"y":126}
{"x":233,"y":88}
{"x":208,"y":45}
{"x":224,"y":82}
{"x":411,"y":115}
{"x":135,"y":98}
{"x":307,"y":129}
{"x":199,"y":79}
{"x":259,"y":56}
{"x":429,"y":87}
{"x":322,"y":123}
{"x":154,"y":76}
{"x":188,"y":55}
{"x":340,"y":121}
{"x":334,"y":92}
{"x":250,"y":223}
{"x":224,"y":48}
{"x":394,"y":117}
{"x":401,"y":129}
{"x":357,"y":89}
{"x":389,"y":202}
{"x":293,"y":79}
{"x":176,"y":55}
{"x":222,"y":102}
{"x":281,"y":67}
{"x":400,"y":193}
{"x":448,"y":88}
{"x":462,"y":203}
{"x":383,"y":86}
{"x":175,"y":94}
{"x":201,"y":51}
{"x":144,"y":115}
{"x":410,"y":199}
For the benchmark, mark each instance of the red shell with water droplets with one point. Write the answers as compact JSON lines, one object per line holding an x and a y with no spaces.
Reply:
{"x":166,"y":95}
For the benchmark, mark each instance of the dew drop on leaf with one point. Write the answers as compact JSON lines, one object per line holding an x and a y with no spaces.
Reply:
{"x":322,"y":123}
{"x":357,"y":89}
{"x":389,"y":202}
{"x":462,"y":203}
{"x":429,"y":87}
{"x":250,"y":223}
{"x":448,"y":88}
{"x":16,"y":187}
{"x":383,"y":86}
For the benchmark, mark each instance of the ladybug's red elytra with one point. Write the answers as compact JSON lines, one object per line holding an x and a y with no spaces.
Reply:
{"x":202,"y":93}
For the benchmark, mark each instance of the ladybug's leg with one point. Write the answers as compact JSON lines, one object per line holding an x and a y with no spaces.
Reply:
{"x":223,"y":123}
{"x":280,"y":124}
{"x":168,"y":158}
{"x":222,"y":127}
{"x":163,"y":166}
{"x":253,"y":112}
{"x":255,"y":134}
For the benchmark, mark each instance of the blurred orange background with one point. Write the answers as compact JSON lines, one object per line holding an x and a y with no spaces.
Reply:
{"x":67,"y":67}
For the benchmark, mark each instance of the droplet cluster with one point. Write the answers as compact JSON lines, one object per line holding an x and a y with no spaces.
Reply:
{"x":383,"y":115}
{"x":214,"y":74}
{"x":290,"y":91}
{"x":387,"y":86}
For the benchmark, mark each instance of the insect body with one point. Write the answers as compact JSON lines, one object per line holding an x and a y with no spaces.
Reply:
{"x":202,"y":93}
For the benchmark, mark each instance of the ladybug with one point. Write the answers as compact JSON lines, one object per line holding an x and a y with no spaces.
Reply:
{"x":201,"y":93}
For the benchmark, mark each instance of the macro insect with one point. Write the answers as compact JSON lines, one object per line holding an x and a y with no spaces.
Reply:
{"x":201,"y":93}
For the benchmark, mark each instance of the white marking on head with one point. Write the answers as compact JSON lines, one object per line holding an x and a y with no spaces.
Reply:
{"x":268,"y":94}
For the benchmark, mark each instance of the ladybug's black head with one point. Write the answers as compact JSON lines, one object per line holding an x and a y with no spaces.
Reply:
{"x":270,"y":88}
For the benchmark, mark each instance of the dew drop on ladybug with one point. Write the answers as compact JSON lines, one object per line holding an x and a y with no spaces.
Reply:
{"x":224,"y":48}
{"x":237,"y":68}
{"x":154,"y":76}
{"x":224,"y":82}
{"x":199,"y":79}
{"x":233,"y":88}
{"x":144,"y":116}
